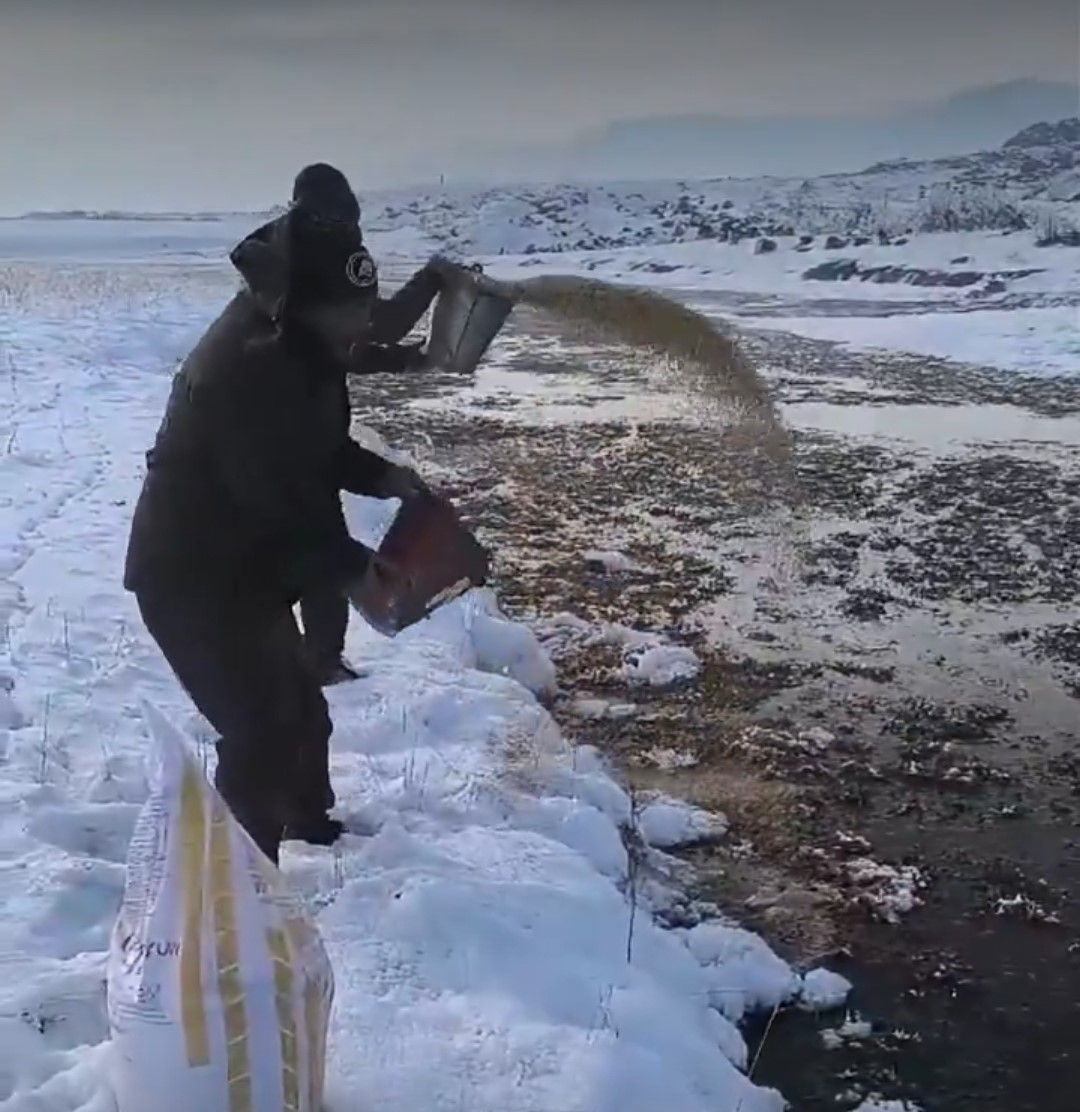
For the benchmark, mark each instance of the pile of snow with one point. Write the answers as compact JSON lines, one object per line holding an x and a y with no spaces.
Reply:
{"x":823,"y":990}
{"x":853,"y":1029}
{"x":648,"y":659}
{"x":660,"y":665}
{"x":609,"y":561}
{"x":1026,"y":909}
{"x":748,"y":975}
{"x":889,"y":891}
{"x":667,"y":823}
{"x":667,"y":759}
{"x":585,"y":707}
{"x":476,"y":918}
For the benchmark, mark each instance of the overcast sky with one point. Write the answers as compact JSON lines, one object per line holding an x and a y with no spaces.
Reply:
{"x":215,"y":103}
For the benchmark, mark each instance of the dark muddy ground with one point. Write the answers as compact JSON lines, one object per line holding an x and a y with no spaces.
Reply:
{"x":887,"y":700}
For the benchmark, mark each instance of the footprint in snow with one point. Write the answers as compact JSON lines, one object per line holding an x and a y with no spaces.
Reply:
{"x":79,"y":917}
{"x":98,"y":830}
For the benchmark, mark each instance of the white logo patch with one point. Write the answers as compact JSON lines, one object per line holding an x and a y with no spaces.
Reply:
{"x":360,"y":270}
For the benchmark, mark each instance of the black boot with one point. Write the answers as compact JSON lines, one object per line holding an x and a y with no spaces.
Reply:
{"x":307,"y":819}
{"x":315,"y":829}
{"x":333,"y":672}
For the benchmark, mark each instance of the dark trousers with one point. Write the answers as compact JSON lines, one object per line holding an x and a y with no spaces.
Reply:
{"x":243,"y":663}
{"x":325,"y":615}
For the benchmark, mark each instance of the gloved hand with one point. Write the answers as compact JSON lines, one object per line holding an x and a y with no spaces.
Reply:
{"x":375,"y":359}
{"x":443,"y":268}
{"x":412,"y":356}
{"x":380,"y":574}
{"x":375,"y":596}
{"x":401,"y":482}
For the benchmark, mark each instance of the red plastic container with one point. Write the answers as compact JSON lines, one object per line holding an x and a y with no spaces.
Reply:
{"x":427,"y":559}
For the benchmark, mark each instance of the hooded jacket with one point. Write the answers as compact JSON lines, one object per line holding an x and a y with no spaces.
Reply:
{"x":243,"y":481}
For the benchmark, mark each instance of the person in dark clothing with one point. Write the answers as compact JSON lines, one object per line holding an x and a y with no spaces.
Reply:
{"x":240,"y":513}
{"x":324,"y":611}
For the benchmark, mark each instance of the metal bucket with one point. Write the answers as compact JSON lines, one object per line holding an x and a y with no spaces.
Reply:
{"x":469,"y":313}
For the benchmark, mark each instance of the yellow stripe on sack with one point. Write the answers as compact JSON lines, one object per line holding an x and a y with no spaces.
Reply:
{"x":318,"y":998}
{"x":278,"y":945}
{"x":315,"y":1022}
{"x":193,"y":847}
{"x":326,"y":993}
{"x":230,"y":985}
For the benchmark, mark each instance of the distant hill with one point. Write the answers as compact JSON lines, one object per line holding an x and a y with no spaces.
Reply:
{"x":1026,"y":179}
{"x":709,"y":146}
{"x":1063,"y":133}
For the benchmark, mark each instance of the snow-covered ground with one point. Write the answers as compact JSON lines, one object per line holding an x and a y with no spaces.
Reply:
{"x":711,"y":266}
{"x":1029,"y":324}
{"x":1043,"y":341}
{"x":478,"y":929}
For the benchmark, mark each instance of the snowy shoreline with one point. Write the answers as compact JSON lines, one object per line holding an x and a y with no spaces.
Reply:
{"x":490,"y":894}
